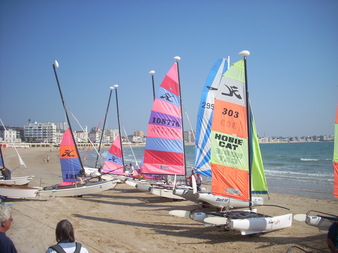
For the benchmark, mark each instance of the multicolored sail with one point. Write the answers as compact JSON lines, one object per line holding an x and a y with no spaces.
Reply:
{"x":2,"y":163}
{"x":204,"y":117}
{"x":164,"y":151}
{"x":335,"y":157}
{"x":113,"y":162}
{"x":229,"y":140}
{"x":69,"y":158}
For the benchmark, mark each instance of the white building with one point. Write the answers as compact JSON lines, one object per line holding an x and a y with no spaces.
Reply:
{"x":40,"y":132}
{"x":9,"y":135}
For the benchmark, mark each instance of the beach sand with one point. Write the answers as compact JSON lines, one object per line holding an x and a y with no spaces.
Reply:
{"x":127,"y":220}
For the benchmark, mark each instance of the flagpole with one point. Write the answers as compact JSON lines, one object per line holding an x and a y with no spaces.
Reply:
{"x":55,"y":66}
{"x":118,"y":120}
{"x":177,"y":59}
{"x":152,"y":72}
{"x":245,"y":54}
{"x":104,"y":124}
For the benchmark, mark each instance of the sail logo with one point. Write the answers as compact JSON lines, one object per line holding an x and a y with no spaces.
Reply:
{"x":167,"y":97}
{"x":228,"y":142}
{"x":232,"y":90}
{"x":113,"y":159}
{"x":68,"y":153}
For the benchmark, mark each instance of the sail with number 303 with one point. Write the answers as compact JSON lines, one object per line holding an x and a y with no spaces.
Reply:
{"x":164,"y":151}
{"x":229,"y":140}
{"x":204,"y":117}
{"x":335,"y":156}
{"x":69,"y":159}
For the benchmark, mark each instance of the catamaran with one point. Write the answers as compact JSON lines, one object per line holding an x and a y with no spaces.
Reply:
{"x":316,"y":218}
{"x":203,"y":146}
{"x":232,"y":151}
{"x":72,"y":169}
{"x":164,"y":153}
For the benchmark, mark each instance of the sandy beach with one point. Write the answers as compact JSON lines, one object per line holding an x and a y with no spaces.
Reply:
{"x":127,"y":220}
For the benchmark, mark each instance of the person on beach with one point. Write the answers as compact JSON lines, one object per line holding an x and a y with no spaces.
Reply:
{"x":6,"y":219}
{"x":332,"y":237}
{"x":198,"y":180}
{"x":6,"y":173}
{"x":65,"y":240}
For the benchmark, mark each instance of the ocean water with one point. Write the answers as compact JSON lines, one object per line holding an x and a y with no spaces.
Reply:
{"x":293,"y":168}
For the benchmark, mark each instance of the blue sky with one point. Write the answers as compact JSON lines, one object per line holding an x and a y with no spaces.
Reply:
{"x":292,"y":70}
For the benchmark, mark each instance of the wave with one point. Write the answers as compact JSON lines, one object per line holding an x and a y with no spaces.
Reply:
{"x":309,"y":159}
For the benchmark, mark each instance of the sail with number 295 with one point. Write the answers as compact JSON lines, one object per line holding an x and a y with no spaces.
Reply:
{"x":164,"y":151}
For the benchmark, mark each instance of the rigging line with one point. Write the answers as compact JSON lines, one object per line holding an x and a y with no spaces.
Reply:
{"x":97,"y":152}
{"x":132,"y":151}
{"x":20,"y":159}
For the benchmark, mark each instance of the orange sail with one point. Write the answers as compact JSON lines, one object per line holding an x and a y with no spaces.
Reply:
{"x":229,"y":137}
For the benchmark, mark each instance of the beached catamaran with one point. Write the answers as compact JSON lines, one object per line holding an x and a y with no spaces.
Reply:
{"x":71,"y":166}
{"x":317,"y":218}
{"x":203,"y":147}
{"x":164,"y":153}
{"x":232,"y":148}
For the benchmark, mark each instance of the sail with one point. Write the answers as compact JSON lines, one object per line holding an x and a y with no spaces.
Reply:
{"x":2,"y":163}
{"x":258,"y":179}
{"x":335,"y":156}
{"x":70,"y":162}
{"x":204,"y":117}
{"x":164,"y":151}
{"x":229,"y":137}
{"x":113,"y":162}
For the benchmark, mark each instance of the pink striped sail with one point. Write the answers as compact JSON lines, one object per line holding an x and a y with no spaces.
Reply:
{"x":113,"y":162}
{"x":164,"y":152}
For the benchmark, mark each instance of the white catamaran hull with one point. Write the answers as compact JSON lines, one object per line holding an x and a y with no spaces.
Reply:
{"x":17,"y":180}
{"x":90,"y":188}
{"x":320,"y":222}
{"x":225,"y":202}
{"x":18,"y":193}
{"x":261,"y":224}
{"x":165,"y":193}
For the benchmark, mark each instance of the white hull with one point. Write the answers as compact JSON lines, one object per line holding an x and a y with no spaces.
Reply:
{"x":17,"y":180}
{"x":320,"y":222}
{"x":18,"y":193}
{"x":90,"y":188}
{"x":261,"y":224}
{"x":225,"y":202}
{"x":165,"y":193}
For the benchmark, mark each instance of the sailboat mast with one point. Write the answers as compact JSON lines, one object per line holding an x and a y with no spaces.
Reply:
{"x":55,"y":66}
{"x":245,"y":54}
{"x":152,"y":72}
{"x":177,"y":59}
{"x":118,"y":121}
{"x":104,"y":124}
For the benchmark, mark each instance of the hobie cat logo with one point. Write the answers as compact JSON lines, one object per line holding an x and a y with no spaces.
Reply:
{"x":112,"y":159}
{"x":68,"y":153}
{"x":233,"y":90}
{"x":167,"y":97}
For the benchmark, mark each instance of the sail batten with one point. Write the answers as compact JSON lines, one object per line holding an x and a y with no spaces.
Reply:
{"x":164,"y":150}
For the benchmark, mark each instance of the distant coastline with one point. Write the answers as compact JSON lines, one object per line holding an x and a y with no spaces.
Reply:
{"x":107,"y":145}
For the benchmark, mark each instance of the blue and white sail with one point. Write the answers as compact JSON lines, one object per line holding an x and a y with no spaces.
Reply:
{"x":204,"y":117}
